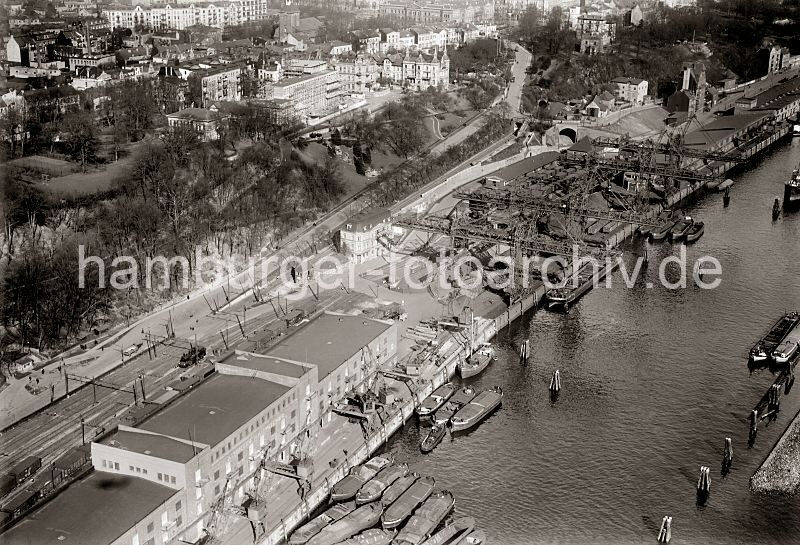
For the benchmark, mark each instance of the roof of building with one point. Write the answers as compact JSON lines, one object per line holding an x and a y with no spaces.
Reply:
{"x":88,"y":511}
{"x":367,"y":219}
{"x":195,"y":114}
{"x":629,"y":81}
{"x":214,"y":409}
{"x":709,"y":134}
{"x":584,"y":145}
{"x":778,"y":96}
{"x":328,"y":340}
{"x":150,"y":444}
{"x":288,"y":82}
{"x":260,"y":362}
{"x":520,"y":168}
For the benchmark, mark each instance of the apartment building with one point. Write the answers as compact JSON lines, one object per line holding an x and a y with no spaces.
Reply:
{"x":416,"y":13}
{"x":364,"y":236}
{"x":357,"y":75}
{"x":218,"y":83}
{"x":180,"y":16}
{"x":311,"y":95}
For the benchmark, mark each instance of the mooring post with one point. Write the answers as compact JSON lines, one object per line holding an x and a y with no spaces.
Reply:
{"x":789,"y":380}
{"x":665,"y":533}
{"x":555,"y":385}
{"x":727,"y":460}
{"x":753,"y":427}
{"x":703,"y":485}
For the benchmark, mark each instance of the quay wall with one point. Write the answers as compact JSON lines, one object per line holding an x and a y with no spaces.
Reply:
{"x":780,"y":470}
{"x":485,"y":330}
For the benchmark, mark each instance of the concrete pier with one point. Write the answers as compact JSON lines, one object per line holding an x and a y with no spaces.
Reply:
{"x":780,"y":470}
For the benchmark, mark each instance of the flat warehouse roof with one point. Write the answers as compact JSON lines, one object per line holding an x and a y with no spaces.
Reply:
{"x":157,"y":446}
{"x":328,"y":340}
{"x":95,"y":510}
{"x":268,"y":364}
{"x":213,"y":410}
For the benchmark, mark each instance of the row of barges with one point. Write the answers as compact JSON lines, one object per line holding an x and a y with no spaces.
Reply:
{"x":781,"y":343}
{"x":405,"y":505}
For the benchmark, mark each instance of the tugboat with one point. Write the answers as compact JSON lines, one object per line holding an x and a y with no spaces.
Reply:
{"x":476,"y":410}
{"x":478,"y":361}
{"x":681,"y":229}
{"x":697,"y":230}
{"x":461,"y":398}
{"x":791,"y":192}
{"x":433,"y":438}
{"x":763,"y":349}
{"x":437,"y":398}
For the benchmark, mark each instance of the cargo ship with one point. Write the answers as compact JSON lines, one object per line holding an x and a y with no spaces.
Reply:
{"x":373,"y":489}
{"x":474,"y":412}
{"x":437,"y":398}
{"x":354,"y":523}
{"x":763,"y":349}
{"x":316,"y":525}
{"x":426,"y":519}
{"x":347,"y":488}
{"x":403,"y":506}
{"x":791,"y":192}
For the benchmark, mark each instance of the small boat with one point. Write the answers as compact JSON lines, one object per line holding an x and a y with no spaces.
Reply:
{"x":725,"y":185}
{"x":452,"y":533}
{"x":372,"y":489}
{"x":475,"y":537}
{"x":403,"y":506}
{"x":788,"y":347}
{"x":426,"y":519}
{"x":680,"y":229}
{"x":791,"y":192}
{"x":478,"y":361}
{"x":347,"y":488}
{"x":373,"y":536}
{"x":763,"y":349}
{"x":476,"y":410}
{"x":433,"y":438}
{"x":661,"y":232}
{"x":696,"y":231}
{"x":315,"y":525}
{"x":461,"y":398}
{"x":359,"y":520}
{"x":396,"y":489}
{"x":437,"y":398}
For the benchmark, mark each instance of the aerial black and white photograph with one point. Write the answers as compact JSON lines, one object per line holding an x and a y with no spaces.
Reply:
{"x":399,"y":272}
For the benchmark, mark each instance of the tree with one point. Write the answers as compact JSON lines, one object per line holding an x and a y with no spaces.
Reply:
{"x":404,"y":136}
{"x":359,"y":164}
{"x":195,"y":90}
{"x":50,"y":11}
{"x":80,"y":137}
{"x":528,"y":26}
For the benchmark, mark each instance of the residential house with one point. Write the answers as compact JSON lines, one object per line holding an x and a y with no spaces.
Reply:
{"x":205,"y":121}
{"x":594,"y":34}
{"x":366,"y":235}
{"x":633,"y":90}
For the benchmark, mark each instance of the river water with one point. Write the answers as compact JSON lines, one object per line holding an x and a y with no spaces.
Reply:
{"x":653,"y":381}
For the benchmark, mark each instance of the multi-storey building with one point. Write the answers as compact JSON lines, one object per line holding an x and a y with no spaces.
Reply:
{"x":633,"y":90}
{"x":412,"y":12}
{"x":156,"y":482}
{"x":364,"y":236}
{"x":595,"y":33}
{"x":182,"y":15}
{"x":219,"y":83}
{"x":357,"y":75}
{"x":311,"y":95}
